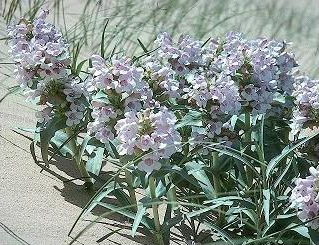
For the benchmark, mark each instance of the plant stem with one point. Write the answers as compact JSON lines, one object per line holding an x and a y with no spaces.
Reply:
{"x":130,"y":187}
{"x":261,"y":153}
{"x":216,"y":174}
{"x":248,"y":141}
{"x":217,"y":186}
{"x":78,"y":159}
{"x":158,"y":232}
{"x":171,"y":194}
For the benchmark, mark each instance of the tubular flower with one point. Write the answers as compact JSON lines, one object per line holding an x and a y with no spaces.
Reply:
{"x":151,"y":132}
{"x":42,"y":61}
{"x":305,"y":198}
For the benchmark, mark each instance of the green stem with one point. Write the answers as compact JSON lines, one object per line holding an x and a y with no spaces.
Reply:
{"x":158,"y":232}
{"x":78,"y":159}
{"x":171,"y":194}
{"x":261,"y":154}
{"x":217,"y":186}
{"x":129,"y":181}
{"x":216,"y":174}
{"x":248,"y":141}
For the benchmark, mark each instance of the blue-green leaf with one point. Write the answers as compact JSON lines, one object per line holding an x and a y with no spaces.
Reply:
{"x":192,"y":118}
{"x":141,"y":210}
{"x":266,"y":205}
{"x":285,"y":152}
{"x":95,"y":161}
{"x":195,"y":169}
{"x":47,"y":133}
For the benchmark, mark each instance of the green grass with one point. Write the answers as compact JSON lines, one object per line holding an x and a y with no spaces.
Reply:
{"x":128,"y":20}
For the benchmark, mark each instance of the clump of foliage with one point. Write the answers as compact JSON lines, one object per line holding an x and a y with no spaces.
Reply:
{"x":212,"y":132}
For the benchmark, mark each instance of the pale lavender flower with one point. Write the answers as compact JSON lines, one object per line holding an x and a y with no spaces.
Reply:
{"x":149,"y":164}
{"x":104,"y":134}
{"x":73,"y":118}
{"x":44,"y":115}
{"x":42,"y":58}
{"x":148,"y":130}
{"x":307,"y":103}
{"x":305,"y":199}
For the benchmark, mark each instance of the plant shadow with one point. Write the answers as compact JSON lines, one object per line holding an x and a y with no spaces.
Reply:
{"x":74,"y":192}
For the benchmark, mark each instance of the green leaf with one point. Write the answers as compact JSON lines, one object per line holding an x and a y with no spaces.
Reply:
{"x":266,"y":205}
{"x":314,"y":236}
{"x":32,"y":150}
{"x":142,"y":45}
{"x":28,"y":130}
{"x":103,"y":192}
{"x":285,"y":152}
{"x":122,"y":197}
{"x":231,"y":153}
{"x":94,"y":164}
{"x":169,"y":223}
{"x":146,"y":221}
{"x":111,"y":149}
{"x":237,"y":199}
{"x":161,"y":189}
{"x":195,"y":169}
{"x":59,"y":141}
{"x":103,"y":39}
{"x":192,"y":118}
{"x":100,"y":193}
{"x":209,"y":208}
{"x":141,"y":210}
{"x":282,"y":175}
{"x":302,"y":230}
{"x":251,"y":214}
{"x":84,"y":145}
{"x":47,"y":133}
{"x":221,"y":232}
{"x":79,"y":67}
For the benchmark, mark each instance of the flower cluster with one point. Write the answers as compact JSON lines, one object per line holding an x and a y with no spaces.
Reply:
{"x":42,"y":58}
{"x":221,"y":78}
{"x":184,"y":55}
{"x":122,"y":100}
{"x":121,"y":82}
{"x":306,"y":96}
{"x":183,"y":72}
{"x":225,"y":77}
{"x":305,"y":198}
{"x":148,"y":131}
{"x":102,"y":115}
{"x":260,"y":68}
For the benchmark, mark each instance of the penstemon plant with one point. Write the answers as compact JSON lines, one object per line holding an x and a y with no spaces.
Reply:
{"x":216,"y":136}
